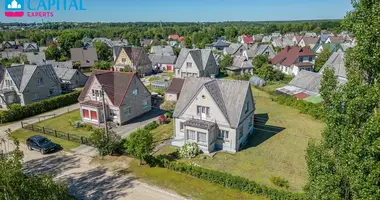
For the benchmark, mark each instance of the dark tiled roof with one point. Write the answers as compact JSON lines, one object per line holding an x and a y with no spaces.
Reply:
{"x":115,"y":84}
{"x":175,"y":86}
{"x":86,"y":56}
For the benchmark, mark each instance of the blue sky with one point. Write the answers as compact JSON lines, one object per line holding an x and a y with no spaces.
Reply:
{"x":194,"y":10}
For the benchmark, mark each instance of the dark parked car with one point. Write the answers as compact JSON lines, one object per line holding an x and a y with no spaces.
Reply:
{"x":41,"y":144}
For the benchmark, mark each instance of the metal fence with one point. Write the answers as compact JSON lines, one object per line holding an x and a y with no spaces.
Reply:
{"x":55,"y":133}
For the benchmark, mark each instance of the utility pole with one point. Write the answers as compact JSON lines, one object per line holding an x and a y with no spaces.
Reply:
{"x":104,"y":113}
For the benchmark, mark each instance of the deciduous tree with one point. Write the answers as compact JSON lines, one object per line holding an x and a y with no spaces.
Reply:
{"x":321,"y":59}
{"x":139,"y":144}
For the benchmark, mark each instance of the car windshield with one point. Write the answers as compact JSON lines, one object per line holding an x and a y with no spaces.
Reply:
{"x":43,"y":141}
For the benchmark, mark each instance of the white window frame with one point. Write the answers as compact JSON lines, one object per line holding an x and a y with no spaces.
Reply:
{"x":189,"y":66}
{"x":190,"y":135}
{"x":203,"y":110}
{"x":202,"y":133}
{"x":123,"y":60}
{"x":135,"y":91}
{"x":223,"y":134}
{"x":114,"y":113}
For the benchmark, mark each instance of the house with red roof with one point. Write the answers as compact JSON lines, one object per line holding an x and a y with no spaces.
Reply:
{"x":246,"y":39}
{"x":176,"y":37}
{"x":126,"y":97}
{"x":291,"y":60}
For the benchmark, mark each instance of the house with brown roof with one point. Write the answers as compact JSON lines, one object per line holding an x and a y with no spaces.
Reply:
{"x":132,"y":59}
{"x":291,"y":60}
{"x":174,"y":89}
{"x":85,"y":56}
{"x":126,"y":97}
{"x":309,"y":41}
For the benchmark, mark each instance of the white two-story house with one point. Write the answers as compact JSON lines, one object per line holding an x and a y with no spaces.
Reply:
{"x":291,"y":60}
{"x":196,"y":63}
{"x":216,"y":114}
{"x":125,"y":96}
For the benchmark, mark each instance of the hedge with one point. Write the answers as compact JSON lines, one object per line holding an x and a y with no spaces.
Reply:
{"x":224,"y":179}
{"x":314,"y":110}
{"x":22,"y":112}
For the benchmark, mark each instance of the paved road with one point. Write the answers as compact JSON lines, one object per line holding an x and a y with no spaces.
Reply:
{"x":17,"y":125}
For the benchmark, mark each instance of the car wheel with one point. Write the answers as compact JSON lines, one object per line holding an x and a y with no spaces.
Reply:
{"x":30,"y":148}
{"x":42,"y":151}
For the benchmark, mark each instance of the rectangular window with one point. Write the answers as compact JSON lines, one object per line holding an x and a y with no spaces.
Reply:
{"x":39,"y":81}
{"x":181,"y":126}
{"x":190,"y":135}
{"x":35,"y":96}
{"x":135,"y":91}
{"x":203,"y":110}
{"x":223,"y":134}
{"x":93,"y":92}
{"x":310,"y":58}
{"x":94,"y":115}
{"x":86,"y":114}
{"x":189,"y":65}
{"x":241,"y":132}
{"x":202,"y":137}
{"x":123,"y":60}
{"x":51,"y":92}
{"x":114,"y":113}
{"x":301,"y":59}
{"x":127,"y":110}
{"x":97,"y":93}
{"x":145,"y":103}
{"x":246,"y":107}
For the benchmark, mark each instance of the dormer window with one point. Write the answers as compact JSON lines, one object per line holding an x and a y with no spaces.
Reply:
{"x":189,"y":65}
{"x":135,"y":91}
{"x":39,"y":81}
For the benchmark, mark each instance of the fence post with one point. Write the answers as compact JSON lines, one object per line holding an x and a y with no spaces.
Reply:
{"x":68,"y":136}
{"x":55,"y":133}
{"x":22,"y":125}
{"x":32,"y":127}
{"x":43,"y":130}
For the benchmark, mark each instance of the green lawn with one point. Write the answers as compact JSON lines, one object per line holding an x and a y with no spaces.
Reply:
{"x":163,"y":132}
{"x":155,"y":79}
{"x":276,"y":149}
{"x":23,"y":134}
{"x":185,"y":185}
{"x":63,"y":123}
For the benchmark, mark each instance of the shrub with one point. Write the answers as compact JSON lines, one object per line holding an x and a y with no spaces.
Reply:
{"x":77,"y":124}
{"x":168,"y":105}
{"x":139,"y":144}
{"x":152,"y":125}
{"x":169,"y":115}
{"x":225,"y":179}
{"x":189,"y":150}
{"x":280,"y":182}
{"x":314,"y":110}
{"x":106,"y":144}
{"x":33,"y":109}
{"x":88,"y":127}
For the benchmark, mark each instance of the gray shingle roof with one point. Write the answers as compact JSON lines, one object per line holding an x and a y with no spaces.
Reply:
{"x":64,"y":64}
{"x":22,"y":74}
{"x":229,"y":95}
{"x":30,"y":46}
{"x":242,"y":62}
{"x":162,"y":59}
{"x":36,"y":58}
{"x":162,"y":50}
{"x":262,"y":48}
{"x":200,"y":56}
{"x":266,"y":39}
{"x":86,"y":56}
{"x":233,"y":48}
{"x":336,"y":62}
{"x":307,"y":80}
{"x":220,"y":43}
{"x":65,"y":73}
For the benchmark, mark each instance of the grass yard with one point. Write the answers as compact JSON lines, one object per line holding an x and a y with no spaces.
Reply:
{"x":63,"y":123}
{"x":23,"y":134}
{"x":163,"y":132}
{"x":276,"y":149}
{"x":185,"y":185}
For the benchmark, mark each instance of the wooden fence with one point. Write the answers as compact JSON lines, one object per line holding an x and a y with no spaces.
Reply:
{"x":55,"y":133}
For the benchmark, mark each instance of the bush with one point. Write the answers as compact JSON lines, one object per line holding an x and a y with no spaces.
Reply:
{"x":106,"y":144}
{"x":314,"y":110}
{"x":225,"y":179}
{"x":189,"y":150}
{"x":168,"y":115}
{"x":280,"y":182}
{"x":139,"y":144}
{"x":22,"y":112}
{"x":152,"y":125}
{"x":77,"y":124}
{"x":168,"y":105}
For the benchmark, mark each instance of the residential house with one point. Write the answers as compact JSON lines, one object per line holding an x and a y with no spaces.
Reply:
{"x":246,"y":39}
{"x":163,"y":62}
{"x":326,"y":32}
{"x":296,"y":39}
{"x":87,"y":42}
{"x":120,"y":42}
{"x":216,"y":114}
{"x":30,"y":47}
{"x":106,"y":41}
{"x":263,"y":49}
{"x":240,"y":66}
{"x":218,"y":45}
{"x":291,"y":60}
{"x":64,"y":64}
{"x":162,"y":50}
{"x":311,"y":34}
{"x":235,"y":49}
{"x":257,"y":37}
{"x":336,"y":62}
{"x":173,"y":92}
{"x":333,"y":47}
{"x":146,"y":42}
{"x":133,"y":59}
{"x":336,"y":40}
{"x":36,"y":58}
{"x":309,"y":42}
{"x":70,"y":78}
{"x":10,"y":54}
{"x":26,"y":84}
{"x":348,"y":44}
{"x":266,"y":39}
{"x":125,"y":97}
{"x":85,"y":56}
{"x":9,"y":44}
{"x":303,"y":85}
{"x":176,"y":37}
{"x":196,"y":63}
{"x":282,"y":42}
